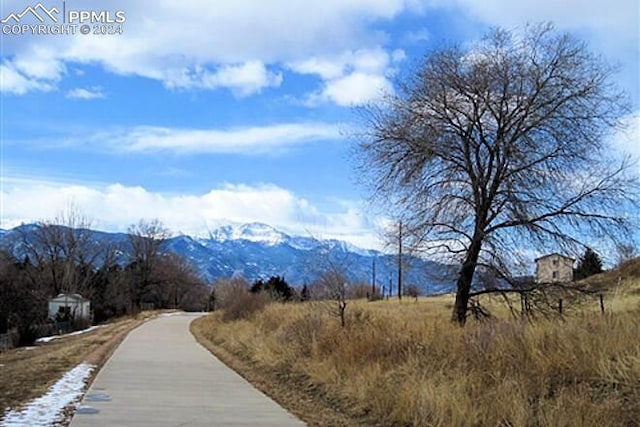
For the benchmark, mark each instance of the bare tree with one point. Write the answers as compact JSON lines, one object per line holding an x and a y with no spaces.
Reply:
{"x":23,"y":301}
{"x":329,"y":263}
{"x":146,"y":239}
{"x":501,"y":148}
{"x":177,"y":279}
{"x":335,"y":284}
{"x":413,"y":291}
{"x":63,"y":252}
{"x":625,"y":252}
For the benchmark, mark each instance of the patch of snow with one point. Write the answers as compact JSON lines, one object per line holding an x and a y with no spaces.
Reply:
{"x":27,"y":348}
{"x":173,"y":313}
{"x":258,"y":232}
{"x":182,"y":313}
{"x":358,"y":250}
{"x":55,"y":337}
{"x":48,"y":409}
{"x":253,"y":232}
{"x":303,"y":243}
{"x":84,"y":331}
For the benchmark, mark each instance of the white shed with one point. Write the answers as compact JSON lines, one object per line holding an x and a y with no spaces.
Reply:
{"x":76,"y":305}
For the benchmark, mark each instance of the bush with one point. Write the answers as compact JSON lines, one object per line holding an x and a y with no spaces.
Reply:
{"x":236,"y":302}
{"x":413,"y":291}
{"x":244,"y":306}
{"x":358,"y":291}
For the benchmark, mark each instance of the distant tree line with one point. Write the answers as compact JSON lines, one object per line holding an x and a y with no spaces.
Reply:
{"x":61,"y":257}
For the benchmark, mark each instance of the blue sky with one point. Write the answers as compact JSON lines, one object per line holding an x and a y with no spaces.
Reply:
{"x":207,"y":112}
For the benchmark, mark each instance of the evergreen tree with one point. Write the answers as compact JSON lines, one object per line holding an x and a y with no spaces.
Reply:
{"x":588,"y":265}
{"x":276,"y":287}
{"x":279,"y":288}
{"x":304,"y":293}
{"x":257,"y":287}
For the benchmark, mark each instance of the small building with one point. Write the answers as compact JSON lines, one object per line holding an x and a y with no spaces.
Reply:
{"x":69,"y":306}
{"x":554,"y":268}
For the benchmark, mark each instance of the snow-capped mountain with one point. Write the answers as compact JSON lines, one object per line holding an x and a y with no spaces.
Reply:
{"x":258,"y":251}
{"x":253,"y":232}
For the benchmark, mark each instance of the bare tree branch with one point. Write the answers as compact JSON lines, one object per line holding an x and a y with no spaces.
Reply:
{"x":502,"y":148}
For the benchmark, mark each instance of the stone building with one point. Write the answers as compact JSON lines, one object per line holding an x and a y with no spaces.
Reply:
{"x":554,"y":268}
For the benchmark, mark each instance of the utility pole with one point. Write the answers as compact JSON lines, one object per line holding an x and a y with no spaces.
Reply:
{"x":400,"y":260}
{"x":373,"y":279}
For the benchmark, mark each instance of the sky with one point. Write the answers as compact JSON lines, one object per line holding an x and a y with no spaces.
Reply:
{"x":204,"y":112}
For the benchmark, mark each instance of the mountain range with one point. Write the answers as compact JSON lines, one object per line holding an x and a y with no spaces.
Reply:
{"x":258,"y":251}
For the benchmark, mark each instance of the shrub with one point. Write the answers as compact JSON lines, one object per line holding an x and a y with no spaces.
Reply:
{"x":235,"y":300}
{"x":244,"y":306}
{"x":412,"y":291}
{"x":358,"y":291}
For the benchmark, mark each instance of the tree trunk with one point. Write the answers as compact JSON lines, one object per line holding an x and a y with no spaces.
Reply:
{"x":465,"y":279}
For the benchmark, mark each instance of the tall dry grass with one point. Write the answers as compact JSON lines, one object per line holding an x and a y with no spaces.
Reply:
{"x":407,"y":365}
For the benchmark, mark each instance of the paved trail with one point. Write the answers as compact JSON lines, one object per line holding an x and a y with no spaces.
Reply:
{"x":160,"y":376}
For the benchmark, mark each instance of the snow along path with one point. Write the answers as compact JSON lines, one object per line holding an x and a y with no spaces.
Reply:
{"x":47,"y":410}
{"x":80,"y":332}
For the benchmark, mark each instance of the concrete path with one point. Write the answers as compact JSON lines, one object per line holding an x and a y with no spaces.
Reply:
{"x":160,"y":376}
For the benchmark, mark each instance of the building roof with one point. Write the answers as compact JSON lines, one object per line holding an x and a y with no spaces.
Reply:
{"x":554,"y":254}
{"x":69,"y":298}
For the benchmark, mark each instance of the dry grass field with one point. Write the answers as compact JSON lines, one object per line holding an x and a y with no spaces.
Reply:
{"x":406,"y":364}
{"x":27,"y":372}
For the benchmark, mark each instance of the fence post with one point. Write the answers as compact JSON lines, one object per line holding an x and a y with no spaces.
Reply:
{"x":560,"y":306}
{"x":5,"y":342}
{"x":601,"y":303}
{"x":524,"y":304}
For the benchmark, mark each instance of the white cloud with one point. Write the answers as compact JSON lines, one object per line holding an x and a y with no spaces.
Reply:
{"x":614,"y":22}
{"x":210,"y":45}
{"x":12,"y":80}
{"x":114,"y":207}
{"x":36,"y":68}
{"x":94,"y":92}
{"x":242,"y":45}
{"x":244,"y":79}
{"x":352,"y":78}
{"x":254,"y":140}
{"x":417,"y":37}
{"x":627,"y":140}
{"x":40,"y":62}
{"x":355,"y":89}
{"x":327,"y":69}
{"x":251,"y":140}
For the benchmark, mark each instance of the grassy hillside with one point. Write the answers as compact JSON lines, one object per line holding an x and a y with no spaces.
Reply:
{"x":401,"y":364}
{"x":620,"y":287}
